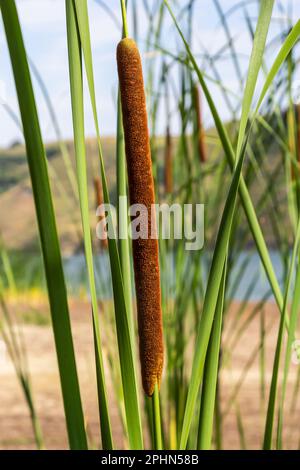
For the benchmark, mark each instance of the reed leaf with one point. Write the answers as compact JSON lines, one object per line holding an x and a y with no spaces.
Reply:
{"x":267,"y":444}
{"x":256,"y":58}
{"x":210,"y":374}
{"x":123,"y":331}
{"x":76,"y":85}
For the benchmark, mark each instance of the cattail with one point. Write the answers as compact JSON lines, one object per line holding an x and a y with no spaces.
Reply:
{"x":168,"y":163}
{"x":141,"y":191}
{"x":99,"y":202}
{"x":200,"y":130}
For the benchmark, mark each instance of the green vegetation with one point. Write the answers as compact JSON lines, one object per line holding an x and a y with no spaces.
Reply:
{"x":245,"y":171}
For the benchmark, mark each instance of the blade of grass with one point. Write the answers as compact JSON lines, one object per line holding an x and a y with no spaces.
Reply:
{"x":291,"y":335}
{"x":76,"y":85}
{"x":267,"y":445}
{"x":210,"y":374}
{"x":285,"y":49}
{"x":258,"y":49}
{"x":210,"y":301}
{"x":123,"y":244}
{"x":47,"y":228}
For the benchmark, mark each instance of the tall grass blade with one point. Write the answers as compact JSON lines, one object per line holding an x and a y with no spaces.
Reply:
{"x":76,"y":85}
{"x":294,"y":315}
{"x":258,"y":49}
{"x":210,"y":374}
{"x":123,"y":331}
{"x":267,"y":445}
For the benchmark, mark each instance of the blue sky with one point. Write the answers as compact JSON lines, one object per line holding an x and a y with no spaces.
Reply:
{"x":43,"y":25}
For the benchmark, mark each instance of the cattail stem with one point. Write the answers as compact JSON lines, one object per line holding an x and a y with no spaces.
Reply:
{"x":141,"y":191}
{"x":168,"y":163}
{"x":157,"y":435}
{"x":199,"y":128}
{"x":124,"y":18}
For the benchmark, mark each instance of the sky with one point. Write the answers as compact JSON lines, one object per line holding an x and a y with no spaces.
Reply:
{"x":44,"y":30}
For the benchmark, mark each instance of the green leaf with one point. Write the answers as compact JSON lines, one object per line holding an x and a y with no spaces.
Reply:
{"x":267,"y":445}
{"x":210,"y":375}
{"x":264,"y":18}
{"x":75,"y":68}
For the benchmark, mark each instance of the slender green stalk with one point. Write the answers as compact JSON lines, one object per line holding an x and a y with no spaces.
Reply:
{"x":259,"y":42}
{"x":124,"y":249}
{"x":156,"y":419}
{"x":291,"y":335}
{"x":124,"y":18}
{"x":210,"y":301}
{"x":267,"y":445}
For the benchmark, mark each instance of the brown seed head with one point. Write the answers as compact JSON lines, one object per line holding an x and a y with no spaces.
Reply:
{"x":141,"y":191}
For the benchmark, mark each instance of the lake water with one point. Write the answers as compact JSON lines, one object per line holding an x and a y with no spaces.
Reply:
{"x":248,"y":271}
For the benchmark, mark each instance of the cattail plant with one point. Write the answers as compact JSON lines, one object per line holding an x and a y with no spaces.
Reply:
{"x":141,"y":191}
{"x":99,"y":202}
{"x":168,"y":163}
{"x":199,"y":126}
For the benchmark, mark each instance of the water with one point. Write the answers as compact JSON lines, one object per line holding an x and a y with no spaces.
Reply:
{"x":252,"y":281}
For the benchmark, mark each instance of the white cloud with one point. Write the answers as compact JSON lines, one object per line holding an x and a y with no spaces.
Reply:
{"x":35,"y":15}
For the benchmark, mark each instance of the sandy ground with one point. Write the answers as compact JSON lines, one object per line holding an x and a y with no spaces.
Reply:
{"x":15,"y":426}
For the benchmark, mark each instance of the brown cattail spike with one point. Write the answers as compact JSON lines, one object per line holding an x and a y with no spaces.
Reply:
{"x":141,"y":191}
{"x":168,"y":163}
{"x":99,"y":202}
{"x":200,"y":130}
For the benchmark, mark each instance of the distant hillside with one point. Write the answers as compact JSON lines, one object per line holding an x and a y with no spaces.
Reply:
{"x":18,"y":222}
